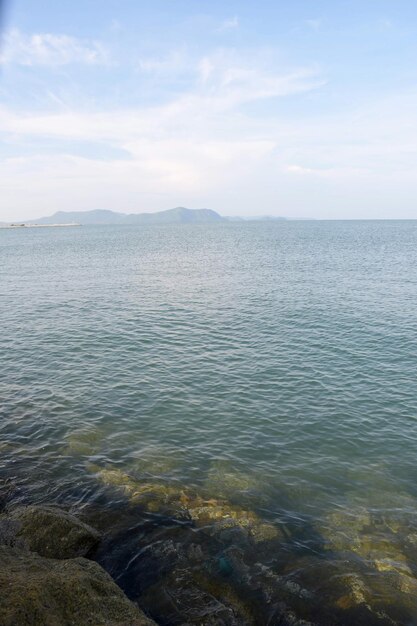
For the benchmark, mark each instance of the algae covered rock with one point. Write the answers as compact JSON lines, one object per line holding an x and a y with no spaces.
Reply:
{"x":210,"y":514}
{"x":370,"y":538}
{"x":85,"y":441}
{"x":218,"y":515}
{"x":223,"y":479}
{"x":184,"y":598}
{"x":384,"y":580}
{"x":51,"y":532}
{"x":343,"y":529}
{"x":156,"y":460}
{"x":8,"y":533}
{"x":202,"y":598}
{"x":388,"y":599}
{"x":35,"y":591}
{"x":154,"y":497}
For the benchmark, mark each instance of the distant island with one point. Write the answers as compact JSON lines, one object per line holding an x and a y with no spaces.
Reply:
{"x":179,"y":215}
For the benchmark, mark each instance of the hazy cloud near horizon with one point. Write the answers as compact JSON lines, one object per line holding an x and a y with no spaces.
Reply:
{"x":246,"y":110}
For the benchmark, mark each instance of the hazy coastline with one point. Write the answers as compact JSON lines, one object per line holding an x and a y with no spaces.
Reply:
{"x":24,"y":225}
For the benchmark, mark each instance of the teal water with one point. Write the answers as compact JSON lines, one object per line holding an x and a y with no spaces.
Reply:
{"x":271,"y":366}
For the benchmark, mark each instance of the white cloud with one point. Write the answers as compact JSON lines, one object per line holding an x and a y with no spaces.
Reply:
{"x":203,"y":149}
{"x":49,"y":49}
{"x":173,"y":63}
{"x":229,"y":24}
{"x":228,"y":80}
{"x":196,"y":144}
{"x":224,"y":82}
{"x":225,"y":79}
{"x":299,"y":169}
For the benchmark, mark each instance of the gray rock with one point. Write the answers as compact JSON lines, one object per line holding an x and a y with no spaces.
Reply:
{"x":8,"y":533}
{"x":35,"y":591}
{"x":50,"y":532}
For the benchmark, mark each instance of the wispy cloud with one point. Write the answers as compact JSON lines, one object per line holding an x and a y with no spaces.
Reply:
{"x":174,"y":62}
{"x":203,"y":146}
{"x":49,"y":49}
{"x":226,"y":79}
{"x":197,"y":142}
{"x":229,"y":24}
{"x":200,"y":155}
{"x":222,"y":82}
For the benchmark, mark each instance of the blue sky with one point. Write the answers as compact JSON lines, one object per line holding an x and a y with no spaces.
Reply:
{"x":303,"y":108}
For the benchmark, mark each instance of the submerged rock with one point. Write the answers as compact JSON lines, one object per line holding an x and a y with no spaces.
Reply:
{"x":387,"y":599}
{"x":153,"y":497}
{"x":156,"y":460}
{"x":35,"y":591}
{"x":224,"y":480}
{"x":273,"y":598}
{"x":354,"y":592}
{"x":381,"y":577}
{"x":85,"y":441}
{"x":184,"y":598}
{"x":218,"y":515}
{"x":342,"y":529}
{"x":209,"y":514}
{"x":368,"y":537}
{"x":51,"y":532}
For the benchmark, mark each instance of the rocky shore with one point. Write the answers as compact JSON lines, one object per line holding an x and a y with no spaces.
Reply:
{"x":182,"y":556}
{"x":46,"y":579}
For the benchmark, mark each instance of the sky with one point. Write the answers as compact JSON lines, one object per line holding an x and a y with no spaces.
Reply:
{"x":305,"y":108}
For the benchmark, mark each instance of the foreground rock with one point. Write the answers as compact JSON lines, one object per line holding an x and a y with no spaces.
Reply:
{"x":37,"y":591}
{"x":49,"y":531}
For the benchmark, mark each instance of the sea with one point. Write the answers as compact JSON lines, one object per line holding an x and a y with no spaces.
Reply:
{"x":234,"y":405}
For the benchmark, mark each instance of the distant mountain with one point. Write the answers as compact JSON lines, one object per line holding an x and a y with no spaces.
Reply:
{"x":179,"y":215}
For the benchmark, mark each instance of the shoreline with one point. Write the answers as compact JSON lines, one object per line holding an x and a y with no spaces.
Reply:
{"x":175,"y":549}
{"x":23,"y":225}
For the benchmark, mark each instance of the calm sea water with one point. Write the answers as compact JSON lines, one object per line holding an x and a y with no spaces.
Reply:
{"x":271,"y":366}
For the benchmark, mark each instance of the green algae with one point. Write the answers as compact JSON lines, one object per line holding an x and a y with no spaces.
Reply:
{"x":48,"y":592}
{"x":156,"y":461}
{"x":223,"y":479}
{"x":86,"y":441}
{"x":52,"y":532}
{"x":370,"y":579}
{"x":179,"y":501}
{"x":384,"y":580}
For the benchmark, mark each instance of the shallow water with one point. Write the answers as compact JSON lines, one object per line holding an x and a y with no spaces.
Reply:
{"x":269,"y":366}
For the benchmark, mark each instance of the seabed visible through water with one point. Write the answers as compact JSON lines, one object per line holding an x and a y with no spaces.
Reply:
{"x":234,"y":406}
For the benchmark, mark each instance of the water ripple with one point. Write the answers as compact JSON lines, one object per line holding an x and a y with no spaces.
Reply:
{"x":270,"y":365}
